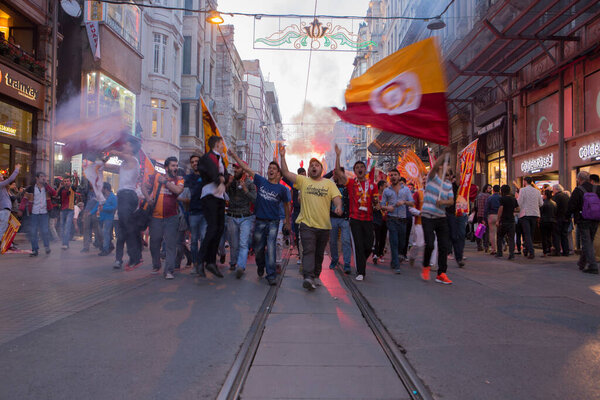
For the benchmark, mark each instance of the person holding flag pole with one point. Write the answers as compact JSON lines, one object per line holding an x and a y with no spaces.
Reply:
{"x":437,"y":196}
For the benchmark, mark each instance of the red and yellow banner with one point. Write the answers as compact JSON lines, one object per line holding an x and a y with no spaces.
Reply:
{"x":211,"y":129}
{"x":411,"y":167}
{"x":404,"y":93}
{"x":467,"y":164}
{"x":432,"y":157}
{"x":10,"y":233}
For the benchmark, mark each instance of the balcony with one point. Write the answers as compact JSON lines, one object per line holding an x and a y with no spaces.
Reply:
{"x":20,"y":59}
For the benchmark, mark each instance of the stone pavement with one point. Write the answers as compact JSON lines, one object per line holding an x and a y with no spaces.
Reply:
{"x":523,"y":329}
{"x":318,"y":346}
{"x":72,"y":328}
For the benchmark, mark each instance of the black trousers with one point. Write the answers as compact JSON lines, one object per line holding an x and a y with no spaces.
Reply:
{"x":560,"y":237}
{"x":404,"y":246}
{"x":380,"y":236}
{"x":362,"y":235}
{"x":433,"y":227}
{"x":127,"y":203}
{"x":213,"y":209}
{"x":547,"y":228}
{"x":508,"y":230}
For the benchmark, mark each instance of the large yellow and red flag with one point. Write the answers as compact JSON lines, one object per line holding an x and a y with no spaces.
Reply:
{"x":411,"y":167}
{"x":467,"y":165}
{"x":210,"y":129}
{"x":404,"y":93}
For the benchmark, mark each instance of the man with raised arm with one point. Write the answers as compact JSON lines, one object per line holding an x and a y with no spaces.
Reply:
{"x":363,"y":195}
{"x":437,"y":196}
{"x":269,"y":195}
{"x":315,"y":224}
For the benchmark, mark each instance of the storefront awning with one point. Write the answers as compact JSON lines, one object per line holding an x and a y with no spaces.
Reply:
{"x":510,"y":36}
{"x":387,"y":143}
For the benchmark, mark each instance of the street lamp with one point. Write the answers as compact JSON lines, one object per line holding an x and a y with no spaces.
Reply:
{"x":214,"y":17}
{"x":436,"y":24}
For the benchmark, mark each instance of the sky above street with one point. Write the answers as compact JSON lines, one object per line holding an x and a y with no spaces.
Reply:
{"x":329,"y":72}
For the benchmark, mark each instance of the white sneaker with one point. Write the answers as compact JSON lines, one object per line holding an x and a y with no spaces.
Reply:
{"x":169,"y":276}
{"x":318,"y":282}
{"x":64,"y":247}
{"x":359,"y":277}
{"x":298,"y":261}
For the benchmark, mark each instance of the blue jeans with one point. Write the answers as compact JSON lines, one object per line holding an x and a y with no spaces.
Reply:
{"x":338,"y":224}
{"x":397,"y":234}
{"x":66,"y":221}
{"x":458,"y":231}
{"x":239,"y":239}
{"x":197,"y":229}
{"x":39,"y":223}
{"x":265,"y":235}
{"x":107,"y":227}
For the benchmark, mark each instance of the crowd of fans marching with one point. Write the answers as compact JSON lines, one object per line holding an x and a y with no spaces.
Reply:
{"x":195,"y":216}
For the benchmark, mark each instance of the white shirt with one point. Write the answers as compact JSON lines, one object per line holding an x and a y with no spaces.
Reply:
{"x":211,"y":188}
{"x":39,"y":200}
{"x":128,"y":178}
{"x":530,"y":201}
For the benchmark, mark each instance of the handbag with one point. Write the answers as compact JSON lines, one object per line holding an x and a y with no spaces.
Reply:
{"x":480,"y":231}
{"x":142,"y":216}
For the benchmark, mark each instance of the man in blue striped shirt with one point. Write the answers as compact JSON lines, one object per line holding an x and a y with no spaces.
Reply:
{"x":438,"y":195}
{"x":396,"y":199}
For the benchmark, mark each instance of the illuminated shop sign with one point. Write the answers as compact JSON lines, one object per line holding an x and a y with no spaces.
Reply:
{"x":590,"y":151}
{"x":22,"y":88}
{"x":537,"y":164}
{"x":8,"y":130}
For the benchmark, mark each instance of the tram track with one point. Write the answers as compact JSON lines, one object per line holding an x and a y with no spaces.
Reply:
{"x":234,"y":382}
{"x":407,"y":374}
{"x":236,"y":378}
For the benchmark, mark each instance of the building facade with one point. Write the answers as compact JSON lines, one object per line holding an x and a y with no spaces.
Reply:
{"x":26,"y":90}
{"x":263,"y":121}
{"x":198,"y":76}
{"x":159,"y":103}
{"x":99,"y":72}
{"x":230,"y":92}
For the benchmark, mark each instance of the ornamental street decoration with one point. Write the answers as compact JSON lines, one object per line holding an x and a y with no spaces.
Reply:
{"x":310,"y":35}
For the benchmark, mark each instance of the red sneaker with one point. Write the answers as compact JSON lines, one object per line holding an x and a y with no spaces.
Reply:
{"x":129,"y":267}
{"x":425,"y":273}
{"x":443,"y":278}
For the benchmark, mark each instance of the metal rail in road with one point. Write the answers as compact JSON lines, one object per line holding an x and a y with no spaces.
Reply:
{"x":234,"y":382}
{"x":411,"y":381}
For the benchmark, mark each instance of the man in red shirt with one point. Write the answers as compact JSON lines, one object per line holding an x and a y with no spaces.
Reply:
{"x":362,"y":195}
{"x":165,"y":219}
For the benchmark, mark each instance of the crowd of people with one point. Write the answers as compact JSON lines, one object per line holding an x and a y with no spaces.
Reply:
{"x":194,"y":215}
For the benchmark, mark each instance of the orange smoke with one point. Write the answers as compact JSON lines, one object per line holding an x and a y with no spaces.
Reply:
{"x":314,"y":137}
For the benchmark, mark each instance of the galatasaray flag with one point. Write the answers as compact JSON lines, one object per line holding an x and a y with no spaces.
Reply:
{"x":210,"y":128}
{"x":404,"y":93}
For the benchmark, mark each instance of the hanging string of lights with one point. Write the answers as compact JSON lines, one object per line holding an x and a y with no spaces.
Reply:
{"x":268,"y":15}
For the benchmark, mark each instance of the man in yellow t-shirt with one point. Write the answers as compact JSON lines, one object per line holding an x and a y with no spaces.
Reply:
{"x":315,"y":203}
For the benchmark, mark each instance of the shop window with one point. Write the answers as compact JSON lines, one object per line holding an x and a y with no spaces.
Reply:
{"x":125,"y":20}
{"x":109,"y":97}
{"x":158,"y":117}
{"x":160,"y":49}
{"x":15,"y":123}
{"x":496,"y":168}
{"x":592,"y":101}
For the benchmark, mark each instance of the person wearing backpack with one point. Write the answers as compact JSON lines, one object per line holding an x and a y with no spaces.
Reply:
{"x":584,"y":205}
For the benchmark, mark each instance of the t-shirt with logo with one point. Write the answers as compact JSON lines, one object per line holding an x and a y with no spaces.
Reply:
{"x":315,"y":201}
{"x":166,"y":203}
{"x":269,"y":196}
{"x":361,"y":196}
